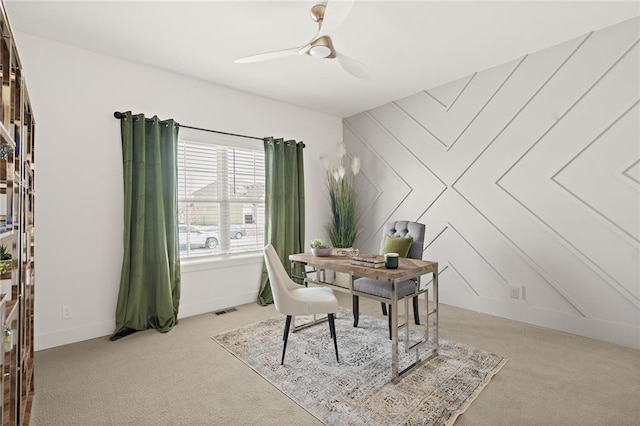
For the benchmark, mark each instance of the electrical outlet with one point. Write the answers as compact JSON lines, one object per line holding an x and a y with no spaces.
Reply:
{"x":515,"y":292}
{"x":67,"y":312}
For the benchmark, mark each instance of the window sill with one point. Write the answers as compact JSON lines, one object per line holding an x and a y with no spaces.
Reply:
{"x":215,"y":262}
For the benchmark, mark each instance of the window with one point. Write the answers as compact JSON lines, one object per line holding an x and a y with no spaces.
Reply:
{"x":220,"y":184}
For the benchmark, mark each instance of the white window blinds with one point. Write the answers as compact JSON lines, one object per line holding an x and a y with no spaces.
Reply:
{"x":220,"y":198}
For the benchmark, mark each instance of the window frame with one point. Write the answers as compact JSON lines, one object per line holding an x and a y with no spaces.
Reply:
{"x":198,"y":260}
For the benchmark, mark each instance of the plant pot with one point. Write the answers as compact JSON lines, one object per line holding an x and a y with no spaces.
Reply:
{"x":322,"y":252}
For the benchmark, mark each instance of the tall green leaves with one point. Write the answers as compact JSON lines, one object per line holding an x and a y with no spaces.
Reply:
{"x":342,"y":227}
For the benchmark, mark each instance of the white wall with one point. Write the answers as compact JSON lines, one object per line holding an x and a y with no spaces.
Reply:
{"x":79,"y":204}
{"x":527,"y":176}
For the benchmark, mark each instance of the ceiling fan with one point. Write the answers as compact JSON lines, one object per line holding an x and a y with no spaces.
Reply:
{"x":329,"y":16}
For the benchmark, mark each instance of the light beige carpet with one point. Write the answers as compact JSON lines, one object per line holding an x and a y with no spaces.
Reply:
{"x":185,"y":378}
{"x":359,"y":389}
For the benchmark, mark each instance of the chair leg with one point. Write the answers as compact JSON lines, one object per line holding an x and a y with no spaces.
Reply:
{"x":332,"y":329}
{"x":416,"y":311}
{"x":285,"y":337}
{"x":384,"y":308}
{"x":390,"y":332}
{"x":355,"y":305}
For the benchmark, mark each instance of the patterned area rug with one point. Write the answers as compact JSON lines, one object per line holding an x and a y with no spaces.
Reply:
{"x":359,"y":389}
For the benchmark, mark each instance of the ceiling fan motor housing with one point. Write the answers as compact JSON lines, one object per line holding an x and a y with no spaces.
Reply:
{"x":322,"y":47}
{"x":317,"y":12}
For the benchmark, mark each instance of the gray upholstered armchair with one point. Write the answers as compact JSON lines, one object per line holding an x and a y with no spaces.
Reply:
{"x":382,"y":289}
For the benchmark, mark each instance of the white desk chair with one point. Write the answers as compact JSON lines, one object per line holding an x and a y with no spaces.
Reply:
{"x":292,"y":299}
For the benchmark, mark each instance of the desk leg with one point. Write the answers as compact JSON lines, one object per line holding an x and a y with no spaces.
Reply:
{"x":394,"y":329}
{"x":437,"y":309}
{"x":427,"y":315}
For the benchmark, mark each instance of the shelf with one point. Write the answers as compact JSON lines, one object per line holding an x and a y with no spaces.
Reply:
{"x":29,"y":166}
{"x":9,"y":311}
{"x":17,"y":174}
{"x":6,"y":137}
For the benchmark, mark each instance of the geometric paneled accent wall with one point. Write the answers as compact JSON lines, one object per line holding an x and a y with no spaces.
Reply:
{"x":527,"y":176}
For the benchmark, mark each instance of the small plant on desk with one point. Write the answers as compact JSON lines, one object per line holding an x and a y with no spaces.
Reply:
{"x":318,"y":248}
{"x":317,"y":243}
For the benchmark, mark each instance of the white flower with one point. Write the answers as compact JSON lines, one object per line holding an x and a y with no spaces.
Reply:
{"x":355,"y":165}
{"x":342,"y":150}
{"x":336,"y":175}
{"x":325,"y":162}
{"x":341,"y":171}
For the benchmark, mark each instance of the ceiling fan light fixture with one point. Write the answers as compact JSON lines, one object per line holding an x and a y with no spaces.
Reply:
{"x":320,"y":51}
{"x":321,"y":46}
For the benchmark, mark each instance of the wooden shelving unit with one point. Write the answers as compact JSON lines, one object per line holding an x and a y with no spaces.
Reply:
{"x":17,"y":233}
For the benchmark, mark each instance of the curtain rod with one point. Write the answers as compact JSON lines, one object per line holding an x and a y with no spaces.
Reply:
{"x":120,"y":116}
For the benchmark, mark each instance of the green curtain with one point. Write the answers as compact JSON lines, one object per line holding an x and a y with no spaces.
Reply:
{"x":284,"y":204}
{"x":150,"y":280}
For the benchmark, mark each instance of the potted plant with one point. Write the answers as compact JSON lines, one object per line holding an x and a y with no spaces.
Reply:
{"x":320,"y":249}
{"x":342,"y":227}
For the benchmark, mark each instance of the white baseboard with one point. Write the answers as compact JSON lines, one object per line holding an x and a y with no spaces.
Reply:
{"x":518,"y":310}
{"x":73,"y":335}
{"x":212,"y":305}
{"x":105,"y":328}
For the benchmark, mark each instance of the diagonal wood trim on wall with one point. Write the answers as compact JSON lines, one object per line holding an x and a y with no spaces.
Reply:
{"x":527,"y":175}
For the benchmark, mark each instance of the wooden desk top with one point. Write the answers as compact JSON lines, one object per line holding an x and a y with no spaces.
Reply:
{"x":406,"y":267}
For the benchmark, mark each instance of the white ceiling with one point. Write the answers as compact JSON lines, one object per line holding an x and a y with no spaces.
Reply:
{"x":409,"y":45}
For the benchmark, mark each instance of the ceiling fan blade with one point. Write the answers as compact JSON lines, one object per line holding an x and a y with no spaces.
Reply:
{"x":335,"y":14}
{"x":268,"y":55}
{"x":353,"y":67}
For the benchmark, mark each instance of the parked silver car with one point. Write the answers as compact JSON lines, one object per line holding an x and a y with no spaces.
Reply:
{"x":200,"y":238}
{"x":196,"y":238}
{"x":236,"y":232}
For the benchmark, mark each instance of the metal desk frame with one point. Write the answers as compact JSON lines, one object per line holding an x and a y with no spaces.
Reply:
{"x":407,"y":269}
